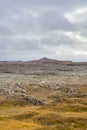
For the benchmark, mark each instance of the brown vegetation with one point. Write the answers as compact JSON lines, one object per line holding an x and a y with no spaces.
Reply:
{"x":43,"y":96}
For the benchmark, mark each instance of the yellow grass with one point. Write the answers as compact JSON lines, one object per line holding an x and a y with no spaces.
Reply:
{"x":61,"y":116}
{"x":17,"y":125}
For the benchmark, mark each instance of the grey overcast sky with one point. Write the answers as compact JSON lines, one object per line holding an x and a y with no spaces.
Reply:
{"x":31,"y":29}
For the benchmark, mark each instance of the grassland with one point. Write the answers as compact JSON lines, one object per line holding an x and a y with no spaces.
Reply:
{"x":65,"y":93}
{"x":58,"y":114}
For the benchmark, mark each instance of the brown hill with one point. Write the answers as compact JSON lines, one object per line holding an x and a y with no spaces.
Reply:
{"x":48,"y":60}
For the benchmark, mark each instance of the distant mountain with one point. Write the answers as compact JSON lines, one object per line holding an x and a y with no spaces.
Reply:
{"x":48,"y":60}
{"x":45,"y":60}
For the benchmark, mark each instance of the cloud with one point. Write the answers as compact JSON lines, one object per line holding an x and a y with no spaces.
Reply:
{"x":51,"y":28}
{"x":52,"y":20}
{"x":5,"y":30}
{"x":77,"y":16}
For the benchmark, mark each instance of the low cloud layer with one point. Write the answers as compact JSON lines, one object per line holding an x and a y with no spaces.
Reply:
{"x":31,"y":29}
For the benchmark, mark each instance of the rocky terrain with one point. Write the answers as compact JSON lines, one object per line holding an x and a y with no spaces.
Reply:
{"x":44,"y":94}
{"x":28,"y":79}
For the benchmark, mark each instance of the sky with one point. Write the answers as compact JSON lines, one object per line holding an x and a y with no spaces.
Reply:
{"x":32,"y":29}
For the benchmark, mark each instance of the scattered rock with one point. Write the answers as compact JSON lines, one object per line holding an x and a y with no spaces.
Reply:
{"x":17,"y":91}
{"x":35,"y":101}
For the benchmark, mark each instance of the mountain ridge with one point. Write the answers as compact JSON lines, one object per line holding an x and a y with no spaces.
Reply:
{"x":47,"y":60}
